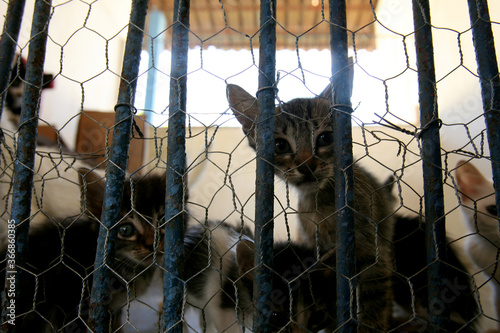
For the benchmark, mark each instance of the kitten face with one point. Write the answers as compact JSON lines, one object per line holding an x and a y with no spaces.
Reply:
{"x":304,"y":143}
{"x":137,"y":241}
{"x":303,"y":136}
{"x":14,"y":96}
{"x":140,"y":230}
{"x":142,"y":227}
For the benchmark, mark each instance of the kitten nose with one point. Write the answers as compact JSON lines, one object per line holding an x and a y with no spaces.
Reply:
{"x":305,"y":163}
{"x":307,"y":168}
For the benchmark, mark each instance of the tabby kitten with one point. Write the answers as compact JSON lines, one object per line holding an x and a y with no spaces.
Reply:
{"x":61,"y":253}
{"x":304,"y":158}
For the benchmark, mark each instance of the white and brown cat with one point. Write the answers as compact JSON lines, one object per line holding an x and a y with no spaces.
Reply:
{"x":481,"y":216}
{"x":304,"y":158}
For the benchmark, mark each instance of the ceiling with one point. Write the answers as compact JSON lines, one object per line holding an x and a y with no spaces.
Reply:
{"x":234,"y":24}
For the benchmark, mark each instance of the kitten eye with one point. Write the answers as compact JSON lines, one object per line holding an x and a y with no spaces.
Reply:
{"x":492,"y":210}
{"x":324,"y":139}
{"x":281,"y":146}
{"x":126,"y":230}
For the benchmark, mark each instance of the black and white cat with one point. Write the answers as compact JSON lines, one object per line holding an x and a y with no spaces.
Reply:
{"x":219,"y":274}
{"x":304,"y":158}
{"x":61,"y":255}
{"x":304,"y":287}
{"x":214,"y":283}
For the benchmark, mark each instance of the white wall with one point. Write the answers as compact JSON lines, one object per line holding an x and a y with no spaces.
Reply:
{"x":459,"y":98}
{"x":87,"y":73}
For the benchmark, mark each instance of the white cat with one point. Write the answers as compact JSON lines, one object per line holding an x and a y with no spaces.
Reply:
{"x":480,"y":213}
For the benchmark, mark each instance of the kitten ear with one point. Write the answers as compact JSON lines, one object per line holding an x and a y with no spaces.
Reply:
{"x":469,"y":180}
{"x":245,"y":107}
{"x":329,"y":92}
{"x":245,"y":258}
{"x":92,"y":198}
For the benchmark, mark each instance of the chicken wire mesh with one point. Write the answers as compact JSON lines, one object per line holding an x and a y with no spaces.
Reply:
{"x":183,"y":238}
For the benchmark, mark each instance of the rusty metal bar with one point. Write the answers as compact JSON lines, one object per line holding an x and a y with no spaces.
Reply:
{"x":487,"y":66}
{"x":264,"y":184}
{"x":115,"y":173}
{"x":26,"y":144}
{"x":173,"y":285}
{"x":344,"y":184}
{"x":432,"y":169}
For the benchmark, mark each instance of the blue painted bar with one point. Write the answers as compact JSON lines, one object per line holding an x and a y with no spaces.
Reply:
{"x":115,"y":172}
{"x":344,"y":184}
{"x":173,"y":285}
{"x":28,"y":131}
{"x":264,"y":184}
{"x":8,"y":41}
{"x":431,"y":164}
{"x":482,"y":37}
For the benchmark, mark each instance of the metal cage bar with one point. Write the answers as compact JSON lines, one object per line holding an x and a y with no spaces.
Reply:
{"x":431,"y":164}
{"x":115,"y":172}
{"x":264,"y":184}
{"x":173,"y":285}
{"x":10,"y":35}
{"x":26,"y":144}
{"x":482,"y":37}
{"x":344,"y":184}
